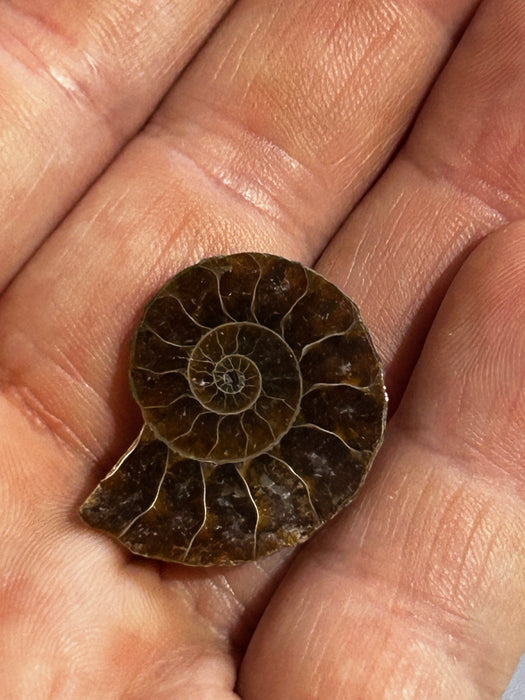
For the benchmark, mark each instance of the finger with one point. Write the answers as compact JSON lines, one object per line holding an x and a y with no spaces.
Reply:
{"x":295,"y":107}
{"x":235,"y":177}
{"x":420,"y":591}
{"x":76,"y":80}
{"x":460,"y":175}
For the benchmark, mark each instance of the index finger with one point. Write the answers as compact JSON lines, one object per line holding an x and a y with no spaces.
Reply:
{"x":77,"y":80}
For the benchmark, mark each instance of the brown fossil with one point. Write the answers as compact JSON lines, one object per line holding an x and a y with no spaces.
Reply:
{"x":264,"y":405}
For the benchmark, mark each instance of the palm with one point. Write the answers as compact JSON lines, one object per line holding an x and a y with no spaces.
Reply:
{"x":418,"y":588}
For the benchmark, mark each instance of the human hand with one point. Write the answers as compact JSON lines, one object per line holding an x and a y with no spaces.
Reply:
{"x":274,"y":135}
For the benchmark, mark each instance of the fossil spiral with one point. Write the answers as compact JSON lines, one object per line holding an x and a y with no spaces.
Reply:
{"x":264,"y":405}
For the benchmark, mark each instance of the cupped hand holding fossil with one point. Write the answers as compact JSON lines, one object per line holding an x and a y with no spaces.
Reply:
{"x":380,"y":143}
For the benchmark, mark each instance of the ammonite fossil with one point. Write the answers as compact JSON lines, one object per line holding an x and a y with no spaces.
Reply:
{"x":264,"y":405}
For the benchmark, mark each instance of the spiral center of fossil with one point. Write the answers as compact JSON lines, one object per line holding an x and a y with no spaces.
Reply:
{"x":231,"y":382}
{"x":238,"y":393}
{"x":234,"y":373}
{"x":221,"y":375}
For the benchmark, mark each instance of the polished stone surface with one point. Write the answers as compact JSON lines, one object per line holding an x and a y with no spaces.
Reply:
{"x":264,"y":405}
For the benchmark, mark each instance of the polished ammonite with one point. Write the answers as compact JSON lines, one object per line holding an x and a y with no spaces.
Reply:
{"x":264,"y":405}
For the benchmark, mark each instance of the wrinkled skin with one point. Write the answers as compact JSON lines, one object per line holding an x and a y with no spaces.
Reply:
{"x":382,"y":141}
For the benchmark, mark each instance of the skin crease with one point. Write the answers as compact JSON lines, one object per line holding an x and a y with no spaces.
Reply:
{"x":290,"y":120}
